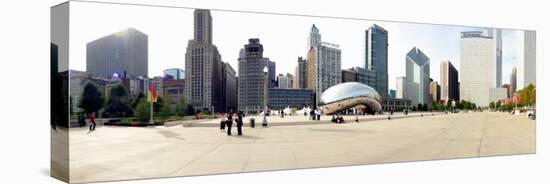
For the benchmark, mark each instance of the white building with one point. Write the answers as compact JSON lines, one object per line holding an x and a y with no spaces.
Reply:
{"x":479,"y":68}
{"x":417,"y":85}
{"x":324,"y":64}
{"x":400,"y":87}
{"x":526,"y":58}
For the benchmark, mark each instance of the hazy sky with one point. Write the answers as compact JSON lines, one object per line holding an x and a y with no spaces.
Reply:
{"x":284,"y":38}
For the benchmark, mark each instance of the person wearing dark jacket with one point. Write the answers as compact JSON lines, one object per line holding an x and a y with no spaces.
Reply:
{"x":229,"y":123}
{"x":239,"y":121}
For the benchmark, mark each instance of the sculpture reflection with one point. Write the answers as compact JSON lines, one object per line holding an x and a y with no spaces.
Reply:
{"x":350,"y":95}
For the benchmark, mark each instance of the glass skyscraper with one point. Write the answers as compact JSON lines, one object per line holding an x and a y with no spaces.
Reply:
{"x":376,"y":57}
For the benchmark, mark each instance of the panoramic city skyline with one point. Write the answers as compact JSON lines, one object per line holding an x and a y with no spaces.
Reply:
{"x":439,"y":42}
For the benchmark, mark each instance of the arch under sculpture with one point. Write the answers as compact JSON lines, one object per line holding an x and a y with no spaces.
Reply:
{"x":350,"y":95}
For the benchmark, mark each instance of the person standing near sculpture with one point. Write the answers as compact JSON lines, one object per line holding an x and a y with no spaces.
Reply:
{"x":229,"y":122}
{"x":223,"y":119}
{"x":239,"y":121}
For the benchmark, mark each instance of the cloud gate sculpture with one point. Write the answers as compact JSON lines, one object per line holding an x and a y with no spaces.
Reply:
{"x":350,"y":95}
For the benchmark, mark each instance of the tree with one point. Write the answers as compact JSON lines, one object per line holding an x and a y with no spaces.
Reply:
{"x":182,"y":107}
{"x":142,"y":110}
{"x":166,"y":109}
{"x":528,"y":95}
{"x":419,"y":107}
{"x":92,"y":99}
{"x":425,"y":107}
{"x":118,"y":103}
{"x":492,"y":105}
{"x":137,"y":99}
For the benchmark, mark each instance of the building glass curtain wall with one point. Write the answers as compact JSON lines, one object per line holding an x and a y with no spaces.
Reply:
{"x":417,"y":77}
{"x":376,"y":57}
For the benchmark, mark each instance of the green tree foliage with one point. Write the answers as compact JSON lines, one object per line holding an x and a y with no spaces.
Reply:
{"x":492,"y":105}
{"x":118,"y":103}
{"x":142,"y":110}
{"x":182,"y":108}
{"x":92,"y":99}
{"x":528,"y":95}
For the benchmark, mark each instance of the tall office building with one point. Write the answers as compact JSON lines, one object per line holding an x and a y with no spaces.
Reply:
{"x":251,"y":76}
{"x":290,"y":79}
{"x":282,"y":81}
{"x":449,"y":81}
{"x":229,"y":88}
{"x":324,"y":64}
{"x":417,"y":77}
{"x":376,"y":57}
{"x":121,"y":54}
{"x":300,"y":74}
{"x":400,"y":87}
{"x":526,"y":58}
{"x":174,"y":73}
{"x":478,"y":69}
{"x":203,"y":66}
{"x":513,"y":81}
{"x":435,"y":91}
{"x":496,"y":34}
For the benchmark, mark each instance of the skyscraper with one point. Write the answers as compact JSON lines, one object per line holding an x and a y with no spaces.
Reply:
{"x":526,"y":55}
{"x":417,"y":77}
{"x":229,"y":88}
{"x":121,"y":54}
{"x":478,"y":69}
{"x":496,"y":34}
{"x":251,"y":76}
{"x":174,"y":73}
{"x":290,"y":79}
{"x":376,"y":57}
{"x":300,"y":74}
{"x":435,"y":91}
{"x":203,"y":66}
{"x":513,"y":81}
{"x":324,"y":64}
{"x":400,"y":87}
{"x":282,"y":81}
{"x":449,"y":81}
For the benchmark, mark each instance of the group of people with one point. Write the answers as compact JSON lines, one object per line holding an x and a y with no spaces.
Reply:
{"x":339,"y":119}
{"x":315,"y":114}
{"x":226,"y":120}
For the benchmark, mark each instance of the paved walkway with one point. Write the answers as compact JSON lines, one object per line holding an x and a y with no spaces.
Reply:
{"x":301,"y":119}
{"x":118,"y":153}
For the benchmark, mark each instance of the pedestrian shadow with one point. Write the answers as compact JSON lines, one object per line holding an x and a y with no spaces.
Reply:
{"x":170,"y":135}
{"x":247,"y":137}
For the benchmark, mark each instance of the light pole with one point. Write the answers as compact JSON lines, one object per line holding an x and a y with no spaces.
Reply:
{"x":264,"y":122}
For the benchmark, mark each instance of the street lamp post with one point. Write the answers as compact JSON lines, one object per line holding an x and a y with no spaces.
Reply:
{"x":264,"y":122}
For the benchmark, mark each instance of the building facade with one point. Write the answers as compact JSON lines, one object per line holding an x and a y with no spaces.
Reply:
{"x":174,"y":89}
{"x":478,"y":69}
{"x":324,"y":64}
{"x":400,"y":87}
{"x":251,"y":76}
{"x":376,"y":57}
{"x":513,"y":81}
{"x":229,"y":88}
{"x":174,"y":73}
{"x":417,"y":79}
{"x":280,"y":98}
{"x":526,"y":58}
{"x":300,"y":74}
{"x":203,"y":65}
{"x":435,"y":91}
{"x":449,"y":81}
{"x":122,"y":54}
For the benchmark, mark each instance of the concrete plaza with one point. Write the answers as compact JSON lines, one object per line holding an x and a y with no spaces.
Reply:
{"x":118,"y":153}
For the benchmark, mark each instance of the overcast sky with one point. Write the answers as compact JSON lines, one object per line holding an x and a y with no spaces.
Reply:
{"x":284,"y":38}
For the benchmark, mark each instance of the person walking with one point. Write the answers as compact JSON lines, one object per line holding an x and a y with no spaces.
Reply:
{"x":92,"y":120}
{"x":229,"y":123}
{"x":223,"y":118}
{"x":239,"y":123}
